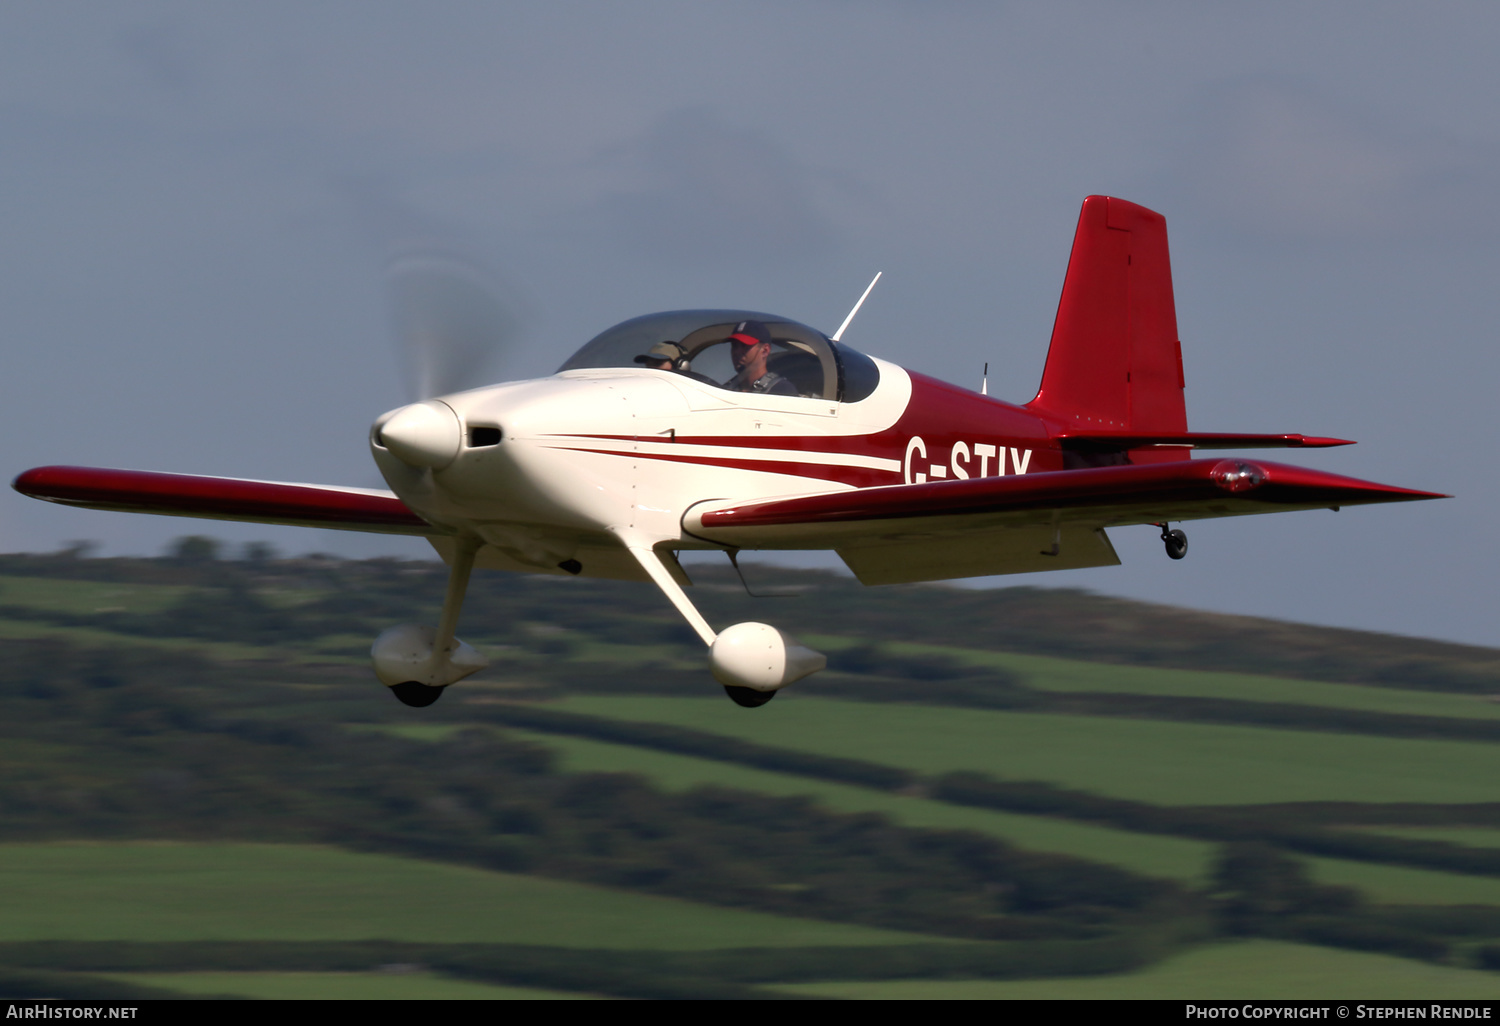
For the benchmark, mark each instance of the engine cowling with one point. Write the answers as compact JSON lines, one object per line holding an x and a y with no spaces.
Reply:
{"x":758,"y":656}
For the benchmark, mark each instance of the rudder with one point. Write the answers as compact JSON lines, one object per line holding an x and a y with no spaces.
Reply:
{"x":1115,"y":363}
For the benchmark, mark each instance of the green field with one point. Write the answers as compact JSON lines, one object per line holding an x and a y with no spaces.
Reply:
{"x":95,"y":637}
{"x":127,"y":748}
{"x":1149,"y":854}
{"x":1252,"y":969}
{"x":1050,"y":674}
{"x":1163,"y":762}
{"x":69,"y":596}
{"x":66,"y":595}
{"x":183,"y":891}
{"x":1469,"y":837}
{"x":1403,"y":885}
{"x":373,"y":986}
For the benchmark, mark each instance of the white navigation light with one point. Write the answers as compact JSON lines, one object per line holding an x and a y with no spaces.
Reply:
{"x":424,"y":434}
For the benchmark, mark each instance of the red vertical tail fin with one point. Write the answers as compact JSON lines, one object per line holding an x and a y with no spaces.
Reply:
{"x":1115,"y":363}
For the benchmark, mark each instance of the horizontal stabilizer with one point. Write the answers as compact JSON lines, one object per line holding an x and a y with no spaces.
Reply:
{"x":225,"y":498}
{"x":1119,"y":441}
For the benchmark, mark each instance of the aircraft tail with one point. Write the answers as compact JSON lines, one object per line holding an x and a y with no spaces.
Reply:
{"x":1115,"y":363}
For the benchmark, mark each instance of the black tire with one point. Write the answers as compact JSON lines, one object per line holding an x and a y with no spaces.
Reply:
{"x":748,"y":697}
{"x":1176,"y":543}
{"x":417,"y":694}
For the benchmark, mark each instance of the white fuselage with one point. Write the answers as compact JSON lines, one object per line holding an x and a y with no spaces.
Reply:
{"x":589,"y":459}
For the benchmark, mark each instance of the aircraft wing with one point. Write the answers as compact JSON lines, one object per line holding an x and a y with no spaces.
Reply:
{"x":1022,"y":523}
{"x":225,"y":498}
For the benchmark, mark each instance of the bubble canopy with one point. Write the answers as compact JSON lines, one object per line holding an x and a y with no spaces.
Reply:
{"x":816,"y":367}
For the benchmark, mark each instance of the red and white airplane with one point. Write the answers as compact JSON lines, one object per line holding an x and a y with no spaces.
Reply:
{"x":750,"y":431}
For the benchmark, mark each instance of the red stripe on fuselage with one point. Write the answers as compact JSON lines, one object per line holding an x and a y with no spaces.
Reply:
{"x":948,"y":419}
{"x":857,"y":477}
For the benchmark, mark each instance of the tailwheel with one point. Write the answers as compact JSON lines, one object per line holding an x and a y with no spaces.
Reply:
{"x":416,"y":694}
{"x":1175,"y":542}
{"x":748,"y":697}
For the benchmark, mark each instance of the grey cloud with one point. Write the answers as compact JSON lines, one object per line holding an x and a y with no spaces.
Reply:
{"x":1282,"y":160}
{"x":693,"y":184}
{"x":159,"y":52}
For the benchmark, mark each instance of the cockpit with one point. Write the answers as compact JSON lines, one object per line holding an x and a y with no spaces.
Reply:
{"x":712,"y":346}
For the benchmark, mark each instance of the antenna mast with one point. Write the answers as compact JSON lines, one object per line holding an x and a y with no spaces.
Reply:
{"x":837,"y":335}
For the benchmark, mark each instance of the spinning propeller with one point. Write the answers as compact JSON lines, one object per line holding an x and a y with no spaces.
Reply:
{"x":454,"y":329}
{"x":451,"y":321}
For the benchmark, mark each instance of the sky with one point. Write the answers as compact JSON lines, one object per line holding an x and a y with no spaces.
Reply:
{"x":197,"y":200}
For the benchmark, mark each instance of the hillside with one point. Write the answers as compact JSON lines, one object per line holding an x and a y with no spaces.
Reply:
{"x":985,"y":785}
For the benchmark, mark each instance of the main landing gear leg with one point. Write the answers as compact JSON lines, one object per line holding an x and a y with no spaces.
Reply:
{"x":416,"y":662}
{"x":752,"y":660}
{"x":1174,"y":540}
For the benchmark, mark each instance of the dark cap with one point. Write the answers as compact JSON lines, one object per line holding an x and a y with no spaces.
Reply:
{"x":750,"y":333}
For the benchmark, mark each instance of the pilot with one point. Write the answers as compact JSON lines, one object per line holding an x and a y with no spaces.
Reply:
{"x":750,"y":348}
{"x":667,"y":356}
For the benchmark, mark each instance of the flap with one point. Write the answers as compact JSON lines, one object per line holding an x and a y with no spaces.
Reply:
{"x":908,"y":557}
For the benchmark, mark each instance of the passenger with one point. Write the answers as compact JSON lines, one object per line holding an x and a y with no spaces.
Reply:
{"x":750,"y":348}
{"x":668,"y":356}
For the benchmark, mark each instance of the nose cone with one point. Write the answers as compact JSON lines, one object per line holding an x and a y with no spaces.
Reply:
{"x":423,"y":435}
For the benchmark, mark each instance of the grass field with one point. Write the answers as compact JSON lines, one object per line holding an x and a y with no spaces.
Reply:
{"x":1401,"y":885}
{"x":1153,"y":855}
{"x":93,"y":637}
{"x":1472,"y":837}
{"x":374,"y":986}
{"x":67,"y":595}
{"x":180,"y":891}
{"x":1254,"y":969}
{"x":1145,"y":760}
{"x":1051,"y":674}
{"x":70,"y":596}
{"x":1043,"y":672}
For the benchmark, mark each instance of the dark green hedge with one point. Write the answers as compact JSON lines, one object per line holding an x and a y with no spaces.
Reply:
{"x":729,"y":973}
{"x":703,"y":745}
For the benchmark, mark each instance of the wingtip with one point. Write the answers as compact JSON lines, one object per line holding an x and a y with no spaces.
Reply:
{"x":1350,"y":490}
{"x":28,"y":481}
